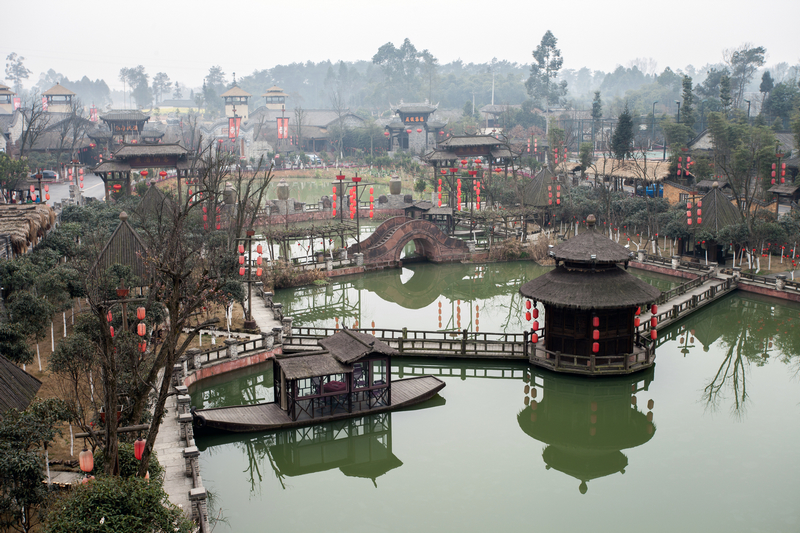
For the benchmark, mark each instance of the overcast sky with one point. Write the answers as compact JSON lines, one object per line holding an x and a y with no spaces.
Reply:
{"x":97,"y":38}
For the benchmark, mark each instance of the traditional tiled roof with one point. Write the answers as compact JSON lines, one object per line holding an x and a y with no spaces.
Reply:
{"x":132,"y":150}
{"x":591,"y":243}
{"x":274,"y":91}
{"x":125,"y":114}
{"x":58,"y":90}
{"x":415,"y":108}
{"x":311,"y":365}
{"x":787,"y":189}
{"x":17,"y":387}
{"x":348,"y":346}
{"x":470,"y":140}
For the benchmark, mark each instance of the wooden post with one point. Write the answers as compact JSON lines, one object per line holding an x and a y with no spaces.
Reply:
{"x":464,"y":341}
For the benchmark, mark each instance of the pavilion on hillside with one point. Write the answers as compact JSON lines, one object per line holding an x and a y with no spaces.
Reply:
{"x":124,"y":247}
{"x":591,"y":308}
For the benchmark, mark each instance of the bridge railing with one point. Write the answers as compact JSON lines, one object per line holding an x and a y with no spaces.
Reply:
{"x":593,"y":364}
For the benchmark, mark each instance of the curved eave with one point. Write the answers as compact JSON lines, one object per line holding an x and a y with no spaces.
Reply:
{"x":605,"y":289}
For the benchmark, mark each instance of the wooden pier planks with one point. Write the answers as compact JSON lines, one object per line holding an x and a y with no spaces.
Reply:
{"x":268,"y":416}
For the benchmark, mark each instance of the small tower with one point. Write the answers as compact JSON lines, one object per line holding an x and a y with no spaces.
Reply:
{"x":275,"y":98}
{"x":59,"y":99}
{"x":236,"y":100}
{"x":6,"y":100}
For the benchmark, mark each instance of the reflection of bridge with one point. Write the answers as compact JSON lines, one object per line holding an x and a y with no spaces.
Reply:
{"x":387,"y":242}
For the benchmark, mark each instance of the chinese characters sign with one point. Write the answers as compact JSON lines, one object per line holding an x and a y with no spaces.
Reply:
{"x":283,"y":128}
{"x":233,"y":127}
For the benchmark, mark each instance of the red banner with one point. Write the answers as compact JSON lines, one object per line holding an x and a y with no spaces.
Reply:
{"x":283,"y":128}
{"x":93,"y":114}
{"x":44,"y":103}
{"x":233,"y":127}
{"x":17,"y":102}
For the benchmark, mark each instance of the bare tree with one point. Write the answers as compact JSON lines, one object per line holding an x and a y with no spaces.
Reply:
{"x":35,"y":120}
{"x":300,"y":117}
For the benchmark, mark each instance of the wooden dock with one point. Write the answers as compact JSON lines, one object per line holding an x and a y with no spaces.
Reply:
{"x":269,"y":416}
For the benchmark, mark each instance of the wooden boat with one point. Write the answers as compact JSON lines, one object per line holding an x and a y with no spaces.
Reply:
{"x":349,"y":377}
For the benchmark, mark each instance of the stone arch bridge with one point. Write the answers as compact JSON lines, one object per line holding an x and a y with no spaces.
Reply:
{"x":387,"y":243}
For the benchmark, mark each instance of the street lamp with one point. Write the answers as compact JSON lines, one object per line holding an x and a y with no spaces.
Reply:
{"x":748,"y":110}
{"x":653,"y":134}
{"x":679,"y":110}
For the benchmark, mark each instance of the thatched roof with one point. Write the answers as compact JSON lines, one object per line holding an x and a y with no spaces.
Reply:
{"x":311,"y":365}
{"x":154,"y":202}
{"x":717,"y":211}
{"x":591,"y":243}
{"x":235,"y":91}
{"x":609,"y":288}
{"x":536,"y":191}
{"x":125,"y":247}
{"x":17,"y":387}
{"x":24,"y":223}
{"x":787,"y":189}
{"x":58,"y":90}
{"x":348,"y":346}
{"x":649,"y":170}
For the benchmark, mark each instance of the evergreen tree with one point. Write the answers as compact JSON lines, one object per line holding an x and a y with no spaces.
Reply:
{"x":622,"y":140}
{"x":725,"y":96}
{"x":689,"y":117}
{"x":766,"y":87}
{"x":541,"y":83}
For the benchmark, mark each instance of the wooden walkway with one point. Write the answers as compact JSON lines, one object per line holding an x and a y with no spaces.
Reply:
{"x":674,"y":305}
{"x":269,"y":416}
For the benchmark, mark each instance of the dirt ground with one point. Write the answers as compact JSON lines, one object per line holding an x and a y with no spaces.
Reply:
{"x":52,"y":387}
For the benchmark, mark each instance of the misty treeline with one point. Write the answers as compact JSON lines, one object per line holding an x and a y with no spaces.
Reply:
{"x":405,"y":73}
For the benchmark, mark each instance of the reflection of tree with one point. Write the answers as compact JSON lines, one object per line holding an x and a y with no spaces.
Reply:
{"x":731,"y":373}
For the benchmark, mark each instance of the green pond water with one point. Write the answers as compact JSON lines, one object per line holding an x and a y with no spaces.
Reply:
{"x":705,"y":441}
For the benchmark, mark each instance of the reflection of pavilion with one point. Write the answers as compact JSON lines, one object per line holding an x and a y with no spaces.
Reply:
{"x":359,"y":447}
{"x":587,"y":423}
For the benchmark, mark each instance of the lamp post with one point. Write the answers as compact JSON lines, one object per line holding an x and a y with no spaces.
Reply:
{"x":748,"y":111}
{"x":653,"y":133}
{"x":679,"y":110}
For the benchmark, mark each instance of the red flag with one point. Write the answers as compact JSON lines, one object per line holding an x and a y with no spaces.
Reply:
{"x":233,"y":127}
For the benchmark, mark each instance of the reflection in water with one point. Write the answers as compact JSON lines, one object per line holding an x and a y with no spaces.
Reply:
{"x":240,"y":387}
{"x":749,"y":329}
{"x":585,"y":423}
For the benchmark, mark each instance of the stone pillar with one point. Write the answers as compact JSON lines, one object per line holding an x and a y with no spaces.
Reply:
{"x":231,"y":348}
{"x":640,"y":255}
{"x":193,"y":356}
{"x":780,"y":283}
{"x":287,"y":326}
{"x":471,"y":245}
{"x":676,"y":260}
{"x":328,"y":264}
{"x":267,"y":340}
{"x":277,"y":311}
{"x":278,"y":334}
{"x":736,"y":273}
{"x":268,"y":298}
{"x":359,"y":259}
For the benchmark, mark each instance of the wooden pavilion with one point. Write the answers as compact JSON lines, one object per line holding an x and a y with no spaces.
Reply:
{"x":125,"y":124}
{"x":130,"y":157}
{"x":591,"y":307}
{"x":716,"y":211}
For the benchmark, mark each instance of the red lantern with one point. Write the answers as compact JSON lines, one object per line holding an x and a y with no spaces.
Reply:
{"x":142,"y":347}
{"x":419,"y":130}
{"x":111,"y":329}
{"x":143,"y":173}
{"x":259,"y":260}
{"x":259,"y":248}
{"x":386,"y":133}
{"x":595,"y":347}
{"x":528,"y":304}
{"x":109,"y":318}
{"x":141,"y":329}
{"x":241,"y":271}
{"x":535,"y":313}
{"x":32,"y":189}
{"x":596,"y":321}
{"x":636,"y":322}
{"x":653,"y":334}
{"x":163,"y":173}
{"x":46,"y":188}
{"x":528,"y":316}
{"x":408,"y":131}
{"x":259,"y":271}
{"x":534,"y":338}
{"x":596,"y":334}
{"x":535,"y":325}
{"x":654,"y":309}
{"x":241,"y":248}
{"x":241,"y":259}
{"x":86,"y":460}
{"x":47,"y":196}
{"x":653,"y":322}
{"x":138,"y":448}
